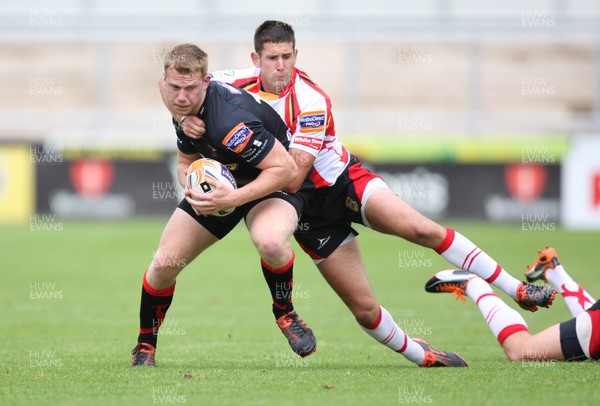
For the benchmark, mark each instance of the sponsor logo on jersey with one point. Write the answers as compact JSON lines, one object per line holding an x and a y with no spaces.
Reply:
{"x":312,"y":121}
{"x":314,"y":143}
{"x":238,"y":138}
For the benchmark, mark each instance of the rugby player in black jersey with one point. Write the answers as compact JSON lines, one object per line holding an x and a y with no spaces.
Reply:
{"x":248,"y":137}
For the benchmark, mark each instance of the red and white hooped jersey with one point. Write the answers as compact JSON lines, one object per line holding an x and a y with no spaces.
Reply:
{"x":306,"y":110}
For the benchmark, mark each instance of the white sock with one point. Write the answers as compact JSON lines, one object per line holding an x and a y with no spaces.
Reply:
{"x":501,"y":319}
{"x":576,"y":298}
{"x":462,"y":253}
{"x":387,"y":332}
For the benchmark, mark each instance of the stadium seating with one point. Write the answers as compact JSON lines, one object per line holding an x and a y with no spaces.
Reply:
{"x":84,"y":71}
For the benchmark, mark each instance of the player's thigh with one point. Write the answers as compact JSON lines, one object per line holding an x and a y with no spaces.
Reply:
{"x":183,"y":239}
{"x":544,"y":345}
{"x":272,"y":219}
{"x":388,"y":213}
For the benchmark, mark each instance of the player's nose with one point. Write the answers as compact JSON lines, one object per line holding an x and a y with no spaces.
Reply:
{"x":280,"y":65}
{"x":181,"y":95}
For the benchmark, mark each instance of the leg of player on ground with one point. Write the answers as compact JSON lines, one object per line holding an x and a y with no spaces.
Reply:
{"x":576,"y":340}
{"x":544,"y":345}
{"x":576,"y":298}
{"x":573,"y":340}
{"x":547,"y":267}
{"x":388,"y":213}
{"x":503,"y":321}
{"x":271,"y":224}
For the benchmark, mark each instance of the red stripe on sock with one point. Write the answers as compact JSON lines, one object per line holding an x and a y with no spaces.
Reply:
{"x":146,"y":330}
{"x":405,"y":344}
{"x":510,"y":330}
{"x":389,"y":337}
{"x":467,"y":258}
{"x":484,"y":295}
{"x":447,"y":242}
{"x":473,"y":259}
{"x":495,"y":274}
{"x":376,"y":323}
{"x":491,"y":314}
{"x":279,"y":270}
{"x":158,"y":292}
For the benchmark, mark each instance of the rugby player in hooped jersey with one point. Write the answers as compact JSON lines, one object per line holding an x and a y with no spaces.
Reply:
{"x":346,"y":193}
{"x":245,"y":134}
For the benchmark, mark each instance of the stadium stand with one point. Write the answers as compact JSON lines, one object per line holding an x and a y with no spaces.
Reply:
{"x":86,"y":71}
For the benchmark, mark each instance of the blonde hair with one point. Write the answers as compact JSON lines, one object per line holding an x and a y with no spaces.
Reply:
{"x":187,"y":59}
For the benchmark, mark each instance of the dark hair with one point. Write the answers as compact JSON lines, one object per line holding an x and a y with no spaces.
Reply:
{"x":273,"y":31}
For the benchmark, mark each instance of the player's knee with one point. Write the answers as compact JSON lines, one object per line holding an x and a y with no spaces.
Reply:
{"x":273,"y":250}
{"x":513,"y":352}
{"x":425,"y":232}
{"x":513,"y":356}
{"x":366,"y":311}
{"x":161,"y":278}
{"x":419,"y":230}
{"x":166,"y":266}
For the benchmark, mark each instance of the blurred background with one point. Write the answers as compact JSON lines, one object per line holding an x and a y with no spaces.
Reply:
{"x":469,"y":109}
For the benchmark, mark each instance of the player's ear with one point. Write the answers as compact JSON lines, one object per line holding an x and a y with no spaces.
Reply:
{"x":255,"y":59}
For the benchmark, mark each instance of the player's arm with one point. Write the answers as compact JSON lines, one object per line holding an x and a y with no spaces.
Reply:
{"x":308,"y":139}
{"x":277,"y":169}
{"x":304,"y":162}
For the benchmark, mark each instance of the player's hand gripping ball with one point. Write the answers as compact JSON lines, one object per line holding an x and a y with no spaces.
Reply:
{"x":204,"y":168}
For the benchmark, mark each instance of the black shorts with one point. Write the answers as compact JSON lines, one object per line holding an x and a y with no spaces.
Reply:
{"x":327,"y":219}
{"x":574,"y":339}
{"x":221,"y":226}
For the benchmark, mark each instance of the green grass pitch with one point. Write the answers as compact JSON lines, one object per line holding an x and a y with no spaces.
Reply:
{"x":70,"y":296}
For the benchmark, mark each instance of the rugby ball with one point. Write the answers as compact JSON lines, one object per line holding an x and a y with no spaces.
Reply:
{"x":204,"y":168}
